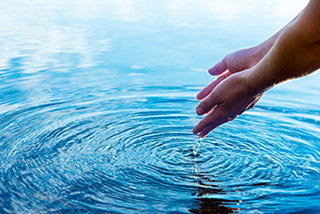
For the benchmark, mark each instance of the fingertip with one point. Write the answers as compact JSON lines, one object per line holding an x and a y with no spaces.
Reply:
{"x":204,"y":92}
{"x":195,"y":131}
{"x":219,"y":68}
{"x":203,"y":135}
{"x":200,"y":110}
{"x":200,"y":96}
{"x":204,"y":132}
{"x":213,"y":71}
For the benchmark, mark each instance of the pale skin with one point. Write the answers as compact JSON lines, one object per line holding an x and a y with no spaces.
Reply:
{"x":246,"y":74}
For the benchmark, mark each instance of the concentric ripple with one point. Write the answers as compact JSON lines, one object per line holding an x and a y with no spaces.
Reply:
{"x":97,"y":103}
{"x":81,"y":156}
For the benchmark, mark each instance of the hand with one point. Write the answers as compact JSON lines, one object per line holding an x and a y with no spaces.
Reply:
{"x":234,"y":62}
{"x":246,"y":74}
{"x":229,"y":99}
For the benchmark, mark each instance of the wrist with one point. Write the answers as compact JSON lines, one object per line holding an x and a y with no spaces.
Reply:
{"x":257,"y":81}
{"x":259,"y":51}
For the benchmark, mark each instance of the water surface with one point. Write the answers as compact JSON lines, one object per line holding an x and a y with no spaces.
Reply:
{"x":97,"y":104}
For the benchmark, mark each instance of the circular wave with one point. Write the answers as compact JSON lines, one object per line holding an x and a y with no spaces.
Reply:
{"x":136,"y":154}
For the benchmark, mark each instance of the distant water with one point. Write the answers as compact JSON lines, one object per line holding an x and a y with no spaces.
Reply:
{"x":97,"y":102}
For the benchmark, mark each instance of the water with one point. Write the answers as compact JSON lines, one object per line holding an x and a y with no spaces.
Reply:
{"x":97,"y":102}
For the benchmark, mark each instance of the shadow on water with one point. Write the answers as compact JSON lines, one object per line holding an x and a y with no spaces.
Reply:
{"x":206,"y":205}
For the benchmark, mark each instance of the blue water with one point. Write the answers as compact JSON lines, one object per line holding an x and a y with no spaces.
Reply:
{"x":97,"y":106}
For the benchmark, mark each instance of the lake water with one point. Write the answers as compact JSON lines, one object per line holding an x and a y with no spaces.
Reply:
{"x":97,"y":106}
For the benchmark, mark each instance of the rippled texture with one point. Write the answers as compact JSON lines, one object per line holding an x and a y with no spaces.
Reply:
{"x":97,"y":104}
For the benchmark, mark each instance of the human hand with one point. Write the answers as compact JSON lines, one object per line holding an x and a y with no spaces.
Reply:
{"x":246,"y":74}
{"x":232,"y":63}
{"x":229,"y":98}
{"x":235,"y":62}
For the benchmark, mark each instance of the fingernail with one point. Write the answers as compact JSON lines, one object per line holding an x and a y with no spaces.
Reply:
{"x":200,"y":111}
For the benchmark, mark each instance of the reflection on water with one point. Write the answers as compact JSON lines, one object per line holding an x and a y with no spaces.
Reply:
{"x":208,"y":205}
{"x":97,"y":104}
{"x":205,"y":204}
{"x":206,"y":191}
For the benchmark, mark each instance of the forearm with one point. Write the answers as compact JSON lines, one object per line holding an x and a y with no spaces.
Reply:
{"x":263,"y":48}
{"x":295,"y":53}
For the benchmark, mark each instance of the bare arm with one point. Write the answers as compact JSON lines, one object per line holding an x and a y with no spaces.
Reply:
{"x":262,"y":49}
{"x":240,"y":60}
{"x":295,"y":52}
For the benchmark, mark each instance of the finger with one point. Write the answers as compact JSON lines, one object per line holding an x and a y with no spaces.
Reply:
{"x":208,"y":104}
{"x":211,"y":126}
{"x":207,"y":90}
{"x":206,"y":130}
{"x":214,"y":118}
{"x":219,"y":68}
{"x":249,"y":106}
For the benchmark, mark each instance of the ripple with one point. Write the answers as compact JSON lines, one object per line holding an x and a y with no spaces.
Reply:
{"x":98,"y":155}
{"x":97,"y":108}
{"x":94,"y":159}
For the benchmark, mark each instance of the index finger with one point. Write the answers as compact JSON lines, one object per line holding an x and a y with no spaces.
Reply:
{"x":208,"y":89}
{"x":210,"y":122}
{"x":219,"y":68}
